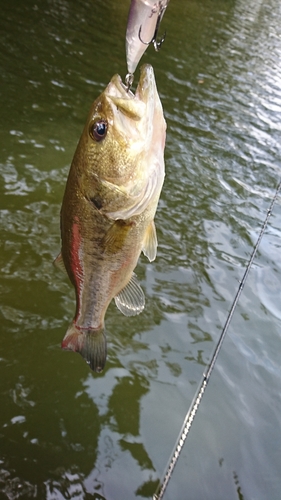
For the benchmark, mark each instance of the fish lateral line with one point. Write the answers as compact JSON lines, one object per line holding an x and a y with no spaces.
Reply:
{"x":88,"y":329}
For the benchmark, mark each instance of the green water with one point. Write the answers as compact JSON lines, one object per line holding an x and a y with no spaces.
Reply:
{"x":65,"y":432}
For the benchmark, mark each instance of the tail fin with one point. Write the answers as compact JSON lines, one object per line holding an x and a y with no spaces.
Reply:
{"x":91,"y":344}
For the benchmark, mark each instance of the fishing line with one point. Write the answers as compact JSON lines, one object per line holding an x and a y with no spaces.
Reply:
{"x":206,"y":376}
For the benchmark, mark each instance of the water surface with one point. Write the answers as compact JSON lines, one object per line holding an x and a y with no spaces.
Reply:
{"x":65,"y":432}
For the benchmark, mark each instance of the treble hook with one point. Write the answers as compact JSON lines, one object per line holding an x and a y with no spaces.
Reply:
{"x":156,"y":45}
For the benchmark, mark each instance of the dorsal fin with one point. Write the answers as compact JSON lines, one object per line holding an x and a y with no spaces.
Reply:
{"x":58,"y":262}
{"x":130,"y":301}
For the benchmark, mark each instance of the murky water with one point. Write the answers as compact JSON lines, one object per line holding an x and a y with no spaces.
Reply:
{"x":65,"y":432}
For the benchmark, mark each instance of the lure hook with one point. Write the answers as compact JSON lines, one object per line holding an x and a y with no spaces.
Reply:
{"x":156,"y":44}
{"x":129,"y":81}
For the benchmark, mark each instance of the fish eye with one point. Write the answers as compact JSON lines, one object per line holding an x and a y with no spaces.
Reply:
{"x":98,"y":130}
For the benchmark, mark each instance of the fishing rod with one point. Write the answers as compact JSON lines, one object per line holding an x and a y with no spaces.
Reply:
{"x":206,"y":376}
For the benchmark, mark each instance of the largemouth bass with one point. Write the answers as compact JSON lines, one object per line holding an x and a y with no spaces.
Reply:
{"x":108,"y":208}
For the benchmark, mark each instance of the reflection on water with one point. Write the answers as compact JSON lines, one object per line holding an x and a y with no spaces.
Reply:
{"x":64,"y":432}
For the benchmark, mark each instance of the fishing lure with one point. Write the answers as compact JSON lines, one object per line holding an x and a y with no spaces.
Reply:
{"x":143,"y":24}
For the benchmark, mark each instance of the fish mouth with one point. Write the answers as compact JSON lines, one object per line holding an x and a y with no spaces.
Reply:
{"x":132,"y":105}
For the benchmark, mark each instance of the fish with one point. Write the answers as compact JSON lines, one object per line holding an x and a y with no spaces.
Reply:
{"x":143,"y":23}
{"x":108,"y":208}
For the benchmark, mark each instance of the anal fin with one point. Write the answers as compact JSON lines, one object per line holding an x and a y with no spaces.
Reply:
{"x":131,"y":300}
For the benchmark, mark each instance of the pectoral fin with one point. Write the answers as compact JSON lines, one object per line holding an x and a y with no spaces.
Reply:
{"x":150,"y":242}
{"x":116,"y":235}
{"x":130,"y":301}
